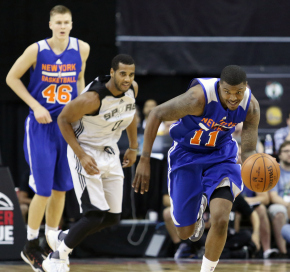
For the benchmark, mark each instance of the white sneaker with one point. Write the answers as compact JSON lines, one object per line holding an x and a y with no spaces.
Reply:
{"x":199,"y":225}
{"x":54,"y":243}
{"x":54,"y":265}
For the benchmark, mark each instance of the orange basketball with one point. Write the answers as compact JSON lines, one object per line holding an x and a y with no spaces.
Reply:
{"x":260,"y":172}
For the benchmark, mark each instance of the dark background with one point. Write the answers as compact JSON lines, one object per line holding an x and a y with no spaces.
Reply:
{"x":164,"y":69}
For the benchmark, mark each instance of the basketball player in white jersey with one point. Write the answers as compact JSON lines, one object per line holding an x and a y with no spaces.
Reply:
{"x":92,"y":125}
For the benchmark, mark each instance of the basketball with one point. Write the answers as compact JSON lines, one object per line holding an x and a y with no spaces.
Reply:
{"x":260,"y":172}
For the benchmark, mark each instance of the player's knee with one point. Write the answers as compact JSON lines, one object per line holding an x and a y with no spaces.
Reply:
{"x":111,"y":219}
{"x":166,"y":214}
{"x":220,"y":223}
{"x":185,"y":232}
{"x":93,"y":219}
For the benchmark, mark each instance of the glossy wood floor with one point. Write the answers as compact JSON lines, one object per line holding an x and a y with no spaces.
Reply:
{"x":159,"y":265}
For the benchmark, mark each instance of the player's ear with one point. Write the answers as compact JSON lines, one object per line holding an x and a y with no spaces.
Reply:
{"x":111,"y":72}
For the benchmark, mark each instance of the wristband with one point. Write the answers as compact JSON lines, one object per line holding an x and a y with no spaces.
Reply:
{"x":133,"y":149}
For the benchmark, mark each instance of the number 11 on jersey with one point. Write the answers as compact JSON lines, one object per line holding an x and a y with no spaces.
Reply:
{"x":195,"y":140}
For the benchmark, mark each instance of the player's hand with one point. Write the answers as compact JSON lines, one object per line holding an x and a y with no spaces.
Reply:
{"x":256,"y":240}
{"x":89,"y":164}
{"x":142,"y":176}
{"x":129,"y":158}
{"x":42,"y":115}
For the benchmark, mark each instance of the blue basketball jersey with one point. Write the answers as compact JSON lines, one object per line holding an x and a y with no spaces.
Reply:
{"x":214,"y":128}
{"x":53,"y":82}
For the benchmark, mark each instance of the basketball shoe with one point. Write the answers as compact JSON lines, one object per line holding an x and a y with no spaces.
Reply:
{"x":31,"y":254}
{"x":199,"y":225}
{"x":52,"y":238}
{"x":45,"y":248}
{"x":54,"y":264}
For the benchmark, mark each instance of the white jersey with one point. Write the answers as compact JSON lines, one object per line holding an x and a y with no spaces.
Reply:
{"x":114,"y":115}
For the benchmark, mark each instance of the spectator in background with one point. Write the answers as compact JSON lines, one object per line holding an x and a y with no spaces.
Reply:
{"x":280,"y":197}
{"x":148,"y":106}
{"x":259,"y":201}
{"x":164,"y":130}
{"x":282,"y":134}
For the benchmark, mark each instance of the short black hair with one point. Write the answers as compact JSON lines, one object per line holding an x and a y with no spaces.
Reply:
{"x":123,"y":58}
{"x":233,"y":75}
{"x":282,"y":146}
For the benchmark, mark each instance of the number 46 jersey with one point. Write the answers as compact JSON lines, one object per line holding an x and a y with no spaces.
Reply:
{"x":214,"y":128}
{"x":53,"y":82}
{"x":104,"y":128}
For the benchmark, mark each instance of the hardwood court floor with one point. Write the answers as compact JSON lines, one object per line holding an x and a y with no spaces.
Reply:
{"x":159,"y":265}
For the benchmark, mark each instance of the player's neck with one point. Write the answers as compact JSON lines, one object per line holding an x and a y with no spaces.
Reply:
{"x":111,"y":87}
{"x":58,"y":45}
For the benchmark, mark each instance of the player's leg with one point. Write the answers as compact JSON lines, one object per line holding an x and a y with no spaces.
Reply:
{"x":91,"y":197}
{"x":54,"y":209}
{"x":185,"y":190}
{"x":38,"y":155}
{"x":221,"y":203}
{"x":222,"y":183}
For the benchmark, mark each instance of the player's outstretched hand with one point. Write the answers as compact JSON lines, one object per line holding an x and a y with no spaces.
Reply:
{"x":129,"y":158}
{"x":142,"y":176}
{"x":42,"y":115}
{"x":89,"y":164}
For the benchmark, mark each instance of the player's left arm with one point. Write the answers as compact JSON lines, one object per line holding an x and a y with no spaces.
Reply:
{"x":131,"y":155}
{"x":84,"y":51}
{"x":250,"y":129}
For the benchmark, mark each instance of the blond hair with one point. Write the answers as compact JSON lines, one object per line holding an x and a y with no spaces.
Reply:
{"x":59,"y":9}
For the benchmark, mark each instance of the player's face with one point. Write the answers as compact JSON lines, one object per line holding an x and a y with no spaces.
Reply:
{"x":123,"y":77}
{"x":231,"y":96}
{"x":61,"y":25}
{"x":285,"y":155}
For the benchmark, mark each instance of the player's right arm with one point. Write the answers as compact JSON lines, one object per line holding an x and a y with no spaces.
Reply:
{"x":191,"y":102}
{"x":13,"y":79}
{"x":86,"y":103}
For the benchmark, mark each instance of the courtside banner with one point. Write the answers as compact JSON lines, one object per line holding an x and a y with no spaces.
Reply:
{"x":12,"y":228}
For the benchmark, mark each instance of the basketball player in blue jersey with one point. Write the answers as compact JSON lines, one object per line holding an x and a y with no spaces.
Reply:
{"x":202,"y":160}
{"x":92,"y":125}
{"x":57,"y":67}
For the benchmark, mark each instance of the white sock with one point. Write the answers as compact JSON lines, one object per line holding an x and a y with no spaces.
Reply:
{"x":48,"y":228}
{"x":64,"y":251}
{"x":32,"y":233}
{"x":207,"y":265}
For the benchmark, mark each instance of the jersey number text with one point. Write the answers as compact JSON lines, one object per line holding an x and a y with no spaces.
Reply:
{"x":61,"y":94}
{"x":195,"y":140}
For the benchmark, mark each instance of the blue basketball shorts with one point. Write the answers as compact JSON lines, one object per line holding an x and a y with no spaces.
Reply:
{"x":191,"y":174}
{"x":46,"y":153}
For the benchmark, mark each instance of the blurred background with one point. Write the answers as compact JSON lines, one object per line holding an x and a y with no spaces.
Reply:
{"x":171,"y":42}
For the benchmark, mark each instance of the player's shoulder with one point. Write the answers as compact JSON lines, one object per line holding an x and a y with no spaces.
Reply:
{"x":84,"y":47}
{"x":254,"y":106}
{"x":196,"y":93}
{"x":30,"y":53}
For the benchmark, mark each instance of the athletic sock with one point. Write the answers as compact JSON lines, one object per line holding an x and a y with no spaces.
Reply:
{"x":32,"y":233}
{"x":62,"y":251}
{"x":207,"y":265}
{"x":48,"y":228}
{"x":62,"y":235}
